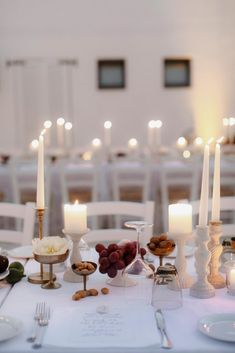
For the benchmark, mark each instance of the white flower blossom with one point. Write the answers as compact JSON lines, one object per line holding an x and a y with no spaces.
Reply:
{"x":50,"y":246}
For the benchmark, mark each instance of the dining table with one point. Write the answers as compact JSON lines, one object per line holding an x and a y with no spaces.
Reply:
{"x":119,"y":322}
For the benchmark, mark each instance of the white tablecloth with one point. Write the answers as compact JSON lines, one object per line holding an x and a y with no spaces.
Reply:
{"x":181,"y":323}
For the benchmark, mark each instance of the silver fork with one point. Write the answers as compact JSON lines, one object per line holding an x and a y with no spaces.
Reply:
{"x":39,"y":310}
{"x":43,"y":322}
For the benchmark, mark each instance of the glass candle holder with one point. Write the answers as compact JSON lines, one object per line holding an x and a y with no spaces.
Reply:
{"x":230,"y":276}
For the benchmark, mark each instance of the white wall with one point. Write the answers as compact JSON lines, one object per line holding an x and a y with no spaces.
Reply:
{"x":142,"y":32}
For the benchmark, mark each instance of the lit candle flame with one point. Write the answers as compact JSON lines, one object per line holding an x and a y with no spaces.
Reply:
{"x":220,"y":140}
{"x":210,"y":140}
{"x":76,"y":202}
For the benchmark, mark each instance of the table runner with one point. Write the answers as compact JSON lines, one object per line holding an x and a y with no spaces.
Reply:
{"x":181,"y":323}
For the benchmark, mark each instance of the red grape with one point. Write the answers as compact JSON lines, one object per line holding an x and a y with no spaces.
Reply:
{"x":112,"y":271}
{"x":128,"y":259}
{"x":114,"y":257}
{"x":120,"y":265}
{"x":112,"y":247}
{"x":102,"y":270}
{"x":104,"y":253}
{"x":142,"y":252}
{"x":99,"y":247}
{"x":104,"y":262}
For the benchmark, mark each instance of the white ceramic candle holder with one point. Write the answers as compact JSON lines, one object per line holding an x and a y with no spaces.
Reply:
{"x":214,"y":277}
{"x":69,"y":275}
{"x":202,"y":288}
{"x":180,"y":261}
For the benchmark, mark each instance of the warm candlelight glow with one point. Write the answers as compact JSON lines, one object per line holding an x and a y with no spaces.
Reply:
{"x":34,"y":144}
{"x":132,"y":142}
{"x":186,"y":154}
{"x":107,"y":124}
{"x":180,"y":218}
{"x":152,"y":124}
{"x":158,"y":124}
{"x":210,"y":140}
{"x":220,"y":140}
{"x":198,"y":141}
{"x":47,"y":124}
{"x":96,"y":142}
{"x":225,"y":121}
{"x":87,"y":156}
{"x":231,"y":121}
{"x":68,"y":126}
{"x":182,"y":142}
{"x":60,"y":121}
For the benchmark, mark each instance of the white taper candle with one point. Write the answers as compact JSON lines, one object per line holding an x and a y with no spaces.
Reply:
{"x":40,"y":175}
{"x":215,"y":216}
{"x":203,"y":208}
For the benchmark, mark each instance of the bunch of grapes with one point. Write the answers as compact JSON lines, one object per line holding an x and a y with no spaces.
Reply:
{"x":116,"y":257}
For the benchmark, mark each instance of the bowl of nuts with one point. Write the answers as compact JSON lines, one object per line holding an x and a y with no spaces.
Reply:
{"x":84,"y":268}
{"x":161,"y":246}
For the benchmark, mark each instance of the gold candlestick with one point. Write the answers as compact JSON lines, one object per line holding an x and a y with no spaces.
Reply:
{"x":214,"y":277}
{"x":40,"y":277}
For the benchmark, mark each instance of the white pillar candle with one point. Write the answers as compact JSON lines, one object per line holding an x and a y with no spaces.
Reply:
{"x":215,"y":216}
{"x":107,"y":133}
{"x":40,"y":175}
{"x":180,"y":218}
{"x":203,"y":208}
{"x":60,"y":132}
{"x":75,"y":218}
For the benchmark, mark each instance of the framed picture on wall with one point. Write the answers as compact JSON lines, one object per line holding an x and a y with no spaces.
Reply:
{"x":111,"y":74}
{"x":177,"y":72}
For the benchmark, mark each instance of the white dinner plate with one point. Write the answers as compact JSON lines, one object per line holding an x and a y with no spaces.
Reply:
{"x":4,"y":274}
{"x":9,"y":327}
{"x":218,"y":326}
{"x":188,"y":251}
{"x":22,"y":252}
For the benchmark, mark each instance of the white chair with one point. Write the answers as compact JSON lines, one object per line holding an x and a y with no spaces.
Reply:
{"x":130,"y":176}
{"x":24,"y":212}
{"x":226,"y":204}
{"x":174,"y":175}
{"x":145,"y":211}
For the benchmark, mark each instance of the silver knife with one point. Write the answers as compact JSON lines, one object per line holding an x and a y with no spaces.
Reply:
{"x":166,"y":342}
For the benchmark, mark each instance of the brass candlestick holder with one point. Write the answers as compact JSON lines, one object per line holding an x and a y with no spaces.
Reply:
{"x":214,"y":277}
{"x":40,"y":277}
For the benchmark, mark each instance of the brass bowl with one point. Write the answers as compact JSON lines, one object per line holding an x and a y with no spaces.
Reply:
{"x":80,"y":273}
{"x":51,"y":259}
{"x":162,"y":251}
{"x":75,"y":270}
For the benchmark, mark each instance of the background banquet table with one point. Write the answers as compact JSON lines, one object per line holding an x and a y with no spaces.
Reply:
{"x":181,"y":323}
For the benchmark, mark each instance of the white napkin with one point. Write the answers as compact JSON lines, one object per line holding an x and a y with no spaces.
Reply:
{"x":96,"y":327}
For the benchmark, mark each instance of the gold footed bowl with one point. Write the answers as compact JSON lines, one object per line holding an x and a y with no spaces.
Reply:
{"x":51,"y":260}
{"x":84,"y":273}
